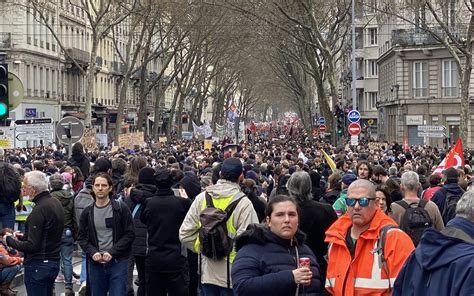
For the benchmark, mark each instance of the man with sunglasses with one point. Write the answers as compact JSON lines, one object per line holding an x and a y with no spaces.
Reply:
{"x":355,"y":264}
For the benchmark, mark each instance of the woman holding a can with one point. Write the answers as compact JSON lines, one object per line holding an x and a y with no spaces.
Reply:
{"x":272,"y":259}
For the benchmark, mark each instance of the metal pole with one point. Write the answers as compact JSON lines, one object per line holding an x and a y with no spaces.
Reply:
{"x":354,"y":93}
{"x":70,"y":141}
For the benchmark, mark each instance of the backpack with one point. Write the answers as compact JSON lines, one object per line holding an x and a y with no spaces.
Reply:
{"x":415,"y":219}
{"x":10,"y":185}
{"x":213,"y":235}
{"x":450,"y":202}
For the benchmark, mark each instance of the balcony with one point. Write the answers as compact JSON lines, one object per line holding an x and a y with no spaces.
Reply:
{"x":5,"y":40}
{"x":79,"y":55}
{"x":117,"y":68}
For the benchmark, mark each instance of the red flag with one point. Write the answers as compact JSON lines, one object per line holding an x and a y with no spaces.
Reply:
{"x":406,"y":148}
{"x":454,"y":158}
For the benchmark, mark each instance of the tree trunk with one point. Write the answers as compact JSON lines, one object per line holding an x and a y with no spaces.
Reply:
{"x":464,"y":116}
{"x":90,"y":83}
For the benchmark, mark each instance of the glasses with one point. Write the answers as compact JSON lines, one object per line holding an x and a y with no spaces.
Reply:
{"x":363,"y":201}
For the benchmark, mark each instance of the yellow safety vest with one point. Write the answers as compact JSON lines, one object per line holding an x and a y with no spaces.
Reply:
{"x":22,"y":215}
{"x":221,"y":203}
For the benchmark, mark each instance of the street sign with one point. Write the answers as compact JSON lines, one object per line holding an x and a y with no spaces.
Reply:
{"x":34,"y":129}
{"x":353,"y":116}
{"x":322,"y":120}
{"x":435,"y":134}
{"x":354,"y":140}
{"x":16,"y":91}
{"x":6,"y":137}
{"x":69,"y":130}
{"x":431,"y":128}
{"x":370,"y":121}
{"x":354,"y":129}
{"x":322,"y":128}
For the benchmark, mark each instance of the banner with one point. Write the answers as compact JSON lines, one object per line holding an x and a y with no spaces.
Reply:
{"x":130,"y":140}
{"x":454,"y":158}
{"x":205,"y":130}
{"x":101,"y":139}
{"x":207,"y":144}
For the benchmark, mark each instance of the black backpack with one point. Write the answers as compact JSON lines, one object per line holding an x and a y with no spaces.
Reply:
{"x":213,"y":235}
{"x":415,"y":219}
{"x":450,"y":202}
{"x":10,"y":185}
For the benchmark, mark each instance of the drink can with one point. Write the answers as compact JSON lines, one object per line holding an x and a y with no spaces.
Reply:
{"x":305,"y":262}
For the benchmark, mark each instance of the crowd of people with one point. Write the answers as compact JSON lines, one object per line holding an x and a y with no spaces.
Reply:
{"x":267,"y":217}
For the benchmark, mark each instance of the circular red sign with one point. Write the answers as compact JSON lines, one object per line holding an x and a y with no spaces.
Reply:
{"x":322,"y":128}
{"x":354,"y":129}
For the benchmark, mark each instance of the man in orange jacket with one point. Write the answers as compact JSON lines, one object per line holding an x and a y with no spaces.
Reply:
{"x":356,"y":264}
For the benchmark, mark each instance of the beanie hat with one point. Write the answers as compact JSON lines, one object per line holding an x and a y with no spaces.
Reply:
{"x":163,"y":178}
{"x":231,"y":168}
{"x":56,"y":181}
{"x":146,"y":176}
{"x":348,"y":178}
{"x":102,"y":165}
{"x":452,"y":175}
{"x":67,"y":177}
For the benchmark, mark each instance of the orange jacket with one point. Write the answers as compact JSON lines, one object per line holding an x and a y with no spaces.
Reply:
{"x":7,"y":259}
{"x":364,"y":275}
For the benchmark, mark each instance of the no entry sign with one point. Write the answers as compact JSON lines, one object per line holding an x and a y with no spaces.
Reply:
{"x":322,"y":128}
{"x":354,"y":129}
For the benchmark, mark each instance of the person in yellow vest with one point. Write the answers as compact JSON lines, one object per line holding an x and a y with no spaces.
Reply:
{"x":215,"y":274}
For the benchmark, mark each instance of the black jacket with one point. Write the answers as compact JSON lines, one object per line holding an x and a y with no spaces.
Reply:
{"x":81,"y":161}
{"x":123,"y":231}
{"x":44,"y":229}
{"x":163,"y":214}
{"x":330,"y":197}
{"x":138,"y":195}
{"x":315,"y":219}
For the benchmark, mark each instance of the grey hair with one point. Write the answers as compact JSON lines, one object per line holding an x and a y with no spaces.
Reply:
{"x":465,"y":206}
{"x":410,"y":180}
{"x":37,"y":180}
{"x":362,"y":183}
{"x":299,"y":186}
{"x":392,"y":171}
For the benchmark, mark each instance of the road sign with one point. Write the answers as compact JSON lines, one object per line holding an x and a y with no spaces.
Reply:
{"x":6,"y":137}
{"x":431,"y":128}
{"x":69,"y":130}
{"x":34,"y":129}
{"x":435,"y":134}
{"x":353,"y":116}
{"x":354,"y":129}
{"x":354,"y":140}
{"x":322,"y":128}
{"x":16,"y":91}
{"x":370,"y":121}
{"x":322,"y":120}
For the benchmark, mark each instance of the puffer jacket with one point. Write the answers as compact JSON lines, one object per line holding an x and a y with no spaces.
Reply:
{"x":265,"y":262}
{"x":215,"y":271}
{"x":138,"y":195}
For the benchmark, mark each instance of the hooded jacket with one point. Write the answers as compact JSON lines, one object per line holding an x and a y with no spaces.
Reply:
{"x":137,"y":197}
{"x":265,"y":262}
{"x":442,"y":264}
{"x":81,"y":161}
{"x":215,"y":271}
{"x":66,"y":200}
{"x":439,"y":198}
{"x":362,"y":274}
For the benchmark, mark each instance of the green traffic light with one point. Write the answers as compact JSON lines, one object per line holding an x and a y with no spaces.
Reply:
{"x":3,"y":109}
{"x":339,"y":132}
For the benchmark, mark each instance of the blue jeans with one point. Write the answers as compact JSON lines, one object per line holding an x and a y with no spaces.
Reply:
{"x":108,"y":277}
{"x":7,"y":215}
{"x":83,"y":277}
{"x":214,"y":290}
{"x":8,"y":273}
{"x":40,"y":276}
{"x":21,"y":226}
{"x":67,"y":248}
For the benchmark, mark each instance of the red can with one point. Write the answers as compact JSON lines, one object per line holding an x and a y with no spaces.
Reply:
{"x":305,"y":262}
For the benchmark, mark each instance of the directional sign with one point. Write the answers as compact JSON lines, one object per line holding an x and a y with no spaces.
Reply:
{"x":322,"y":120}
{"x":6,"y":137}
{"x":354,"y":129}
{"x":353,"y":116}
{"x":435,"y":134}
{"x":431,"y":128}
{"x":322,"y":128}
{"x":69,"y":130}
{"x":34,"y":129}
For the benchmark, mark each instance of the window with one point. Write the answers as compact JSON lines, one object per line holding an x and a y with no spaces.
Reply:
{"x":420,"y":79}
{"x":370,"y":101}
{"x":450,"y":79}
{"x":371,"y":6}
{"x":371,"y":36}
{"x":371,"y":68}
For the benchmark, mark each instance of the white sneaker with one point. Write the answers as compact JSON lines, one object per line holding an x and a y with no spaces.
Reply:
{"x":82,"y":289}
{"x":59,"y":279}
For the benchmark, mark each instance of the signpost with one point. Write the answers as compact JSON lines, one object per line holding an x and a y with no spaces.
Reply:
{"x":322,"y":120}
{"x":34,"y":129}
{"x":432,"y":131}
{"x":322,"y":128}
{"x":354,"y":140}
{"x":69,"y":130}
{"x":353,"y":116}
{"x":354,"y":129}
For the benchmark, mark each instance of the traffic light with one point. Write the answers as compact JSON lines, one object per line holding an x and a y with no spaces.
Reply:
{"x":340,"y":125}
{"x":4,"y":102}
